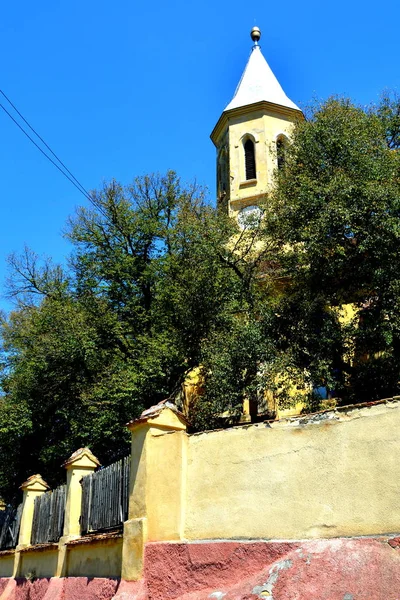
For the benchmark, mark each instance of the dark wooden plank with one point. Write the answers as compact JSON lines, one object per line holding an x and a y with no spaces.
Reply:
{"x":16,"y":525}
{"x":9,"y":527}
{"x":105,"y":496}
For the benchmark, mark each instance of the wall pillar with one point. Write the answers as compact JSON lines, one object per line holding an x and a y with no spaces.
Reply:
{"x":80,"y":463}
{"x":157,"y":483}
{"x":33,"y":487}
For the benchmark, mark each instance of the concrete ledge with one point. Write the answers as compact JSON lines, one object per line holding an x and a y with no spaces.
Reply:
{"x":90,"y":539}
{"x":7,"y":588}
{"x":86,"y":588}
{"x":39,"y":547}
{"x":55,"y":591}
{"x":338,"y":413}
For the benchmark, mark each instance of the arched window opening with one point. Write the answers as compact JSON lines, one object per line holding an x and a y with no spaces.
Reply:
{"x":250,"y":160}
{"x":281,"y":152}
{"x":222,"y":170}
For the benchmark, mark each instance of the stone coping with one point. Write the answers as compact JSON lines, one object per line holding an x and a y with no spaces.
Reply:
{"x":302,"y":419}
{"x":82,"y":452}
{"x":155,"y":411}
{"x":40,"y":547}
{"x":333,"y":414}
{"x":99,"y":537}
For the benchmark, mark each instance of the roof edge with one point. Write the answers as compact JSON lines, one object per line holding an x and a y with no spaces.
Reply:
{"x":249,"y":108}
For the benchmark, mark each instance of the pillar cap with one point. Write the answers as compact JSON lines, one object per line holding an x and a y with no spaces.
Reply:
{"x":35,"y":483}
{"x":83,"y":458}
{"x":165,"y":415}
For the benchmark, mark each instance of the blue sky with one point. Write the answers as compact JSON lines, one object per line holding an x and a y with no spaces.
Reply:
{"x":121,"y":88}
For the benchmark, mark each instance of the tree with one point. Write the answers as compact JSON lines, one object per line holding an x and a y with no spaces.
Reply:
{"x":335,"y":214}
{"x":161,"y":282}
{"x":153,"y":284}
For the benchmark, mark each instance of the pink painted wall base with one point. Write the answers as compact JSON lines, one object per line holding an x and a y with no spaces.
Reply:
{"x":335,"y":569}
{"x":71,"y":588}
{"x":329,"y":569}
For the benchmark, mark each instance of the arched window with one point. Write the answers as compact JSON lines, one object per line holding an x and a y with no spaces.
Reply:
{"x":281,"y":152}
{"x":222,"y":170}
{"x":249,"y":159}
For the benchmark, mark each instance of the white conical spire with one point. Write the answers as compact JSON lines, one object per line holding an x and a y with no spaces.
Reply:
{"x":258,"y":83}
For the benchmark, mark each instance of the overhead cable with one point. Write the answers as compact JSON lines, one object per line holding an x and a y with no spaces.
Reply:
{"x":67,"y":173}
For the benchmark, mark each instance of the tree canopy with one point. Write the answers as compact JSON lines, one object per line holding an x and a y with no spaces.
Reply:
{"x":160,"y":282}
{"x":152,"y":281}
{"x":335,"y":213}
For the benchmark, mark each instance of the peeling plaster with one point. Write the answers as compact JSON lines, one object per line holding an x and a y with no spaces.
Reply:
{"x":305,"y":557}
{"x":265,"y":590}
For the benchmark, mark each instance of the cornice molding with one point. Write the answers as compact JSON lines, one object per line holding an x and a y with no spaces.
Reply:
{"x":263,"y":106}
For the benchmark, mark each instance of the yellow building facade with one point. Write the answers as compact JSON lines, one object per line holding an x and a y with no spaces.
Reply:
{"x":250,"y":138}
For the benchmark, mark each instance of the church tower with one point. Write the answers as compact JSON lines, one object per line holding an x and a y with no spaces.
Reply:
{"x":250,"y":136}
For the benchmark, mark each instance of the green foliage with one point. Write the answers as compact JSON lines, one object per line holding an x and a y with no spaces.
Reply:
{"x":151,"y":281}
{"x":160,"y":282}
{"x":336,"y":212}
{"x":231,"y":364}
{"x":56,"y":383}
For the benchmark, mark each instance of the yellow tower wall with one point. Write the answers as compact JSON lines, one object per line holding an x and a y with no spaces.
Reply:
{"x":263,"y":123}
{"x":264,"y":127}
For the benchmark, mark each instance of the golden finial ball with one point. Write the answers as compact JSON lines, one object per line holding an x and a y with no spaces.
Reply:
{"x":255,"y":34}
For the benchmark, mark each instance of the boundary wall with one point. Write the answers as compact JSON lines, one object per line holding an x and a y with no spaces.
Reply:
{"x":238,"y":513}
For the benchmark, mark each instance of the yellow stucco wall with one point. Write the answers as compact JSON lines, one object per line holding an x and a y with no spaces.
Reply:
{"x":6,"y":564}
{"x":165,"y":492}
{"x":98,"y":558}
{"x":335,"y":476}
{"x":95,"y":559}
{"x":83,"y":465}
{"x":331,"y":474}
{"x":38,"y":563}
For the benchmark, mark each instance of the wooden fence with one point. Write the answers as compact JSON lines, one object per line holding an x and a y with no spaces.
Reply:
{"x":10,"y":520}
{"x":105,"y":497}
{"x":48,"y":516}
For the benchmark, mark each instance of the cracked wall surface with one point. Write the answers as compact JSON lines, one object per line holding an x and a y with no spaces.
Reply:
{"x":331,"y":569}
{"x":328,"y":475}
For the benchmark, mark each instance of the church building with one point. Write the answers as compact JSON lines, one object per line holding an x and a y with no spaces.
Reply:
{"x":250,"y":136}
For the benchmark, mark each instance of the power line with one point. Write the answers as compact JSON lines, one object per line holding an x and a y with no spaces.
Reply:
{"x":70,"y":177}
{"x":44,"y":153}
{"x":43,"y":142}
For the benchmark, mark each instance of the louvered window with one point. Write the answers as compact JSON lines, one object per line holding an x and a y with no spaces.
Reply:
{"x":250,"y":159}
